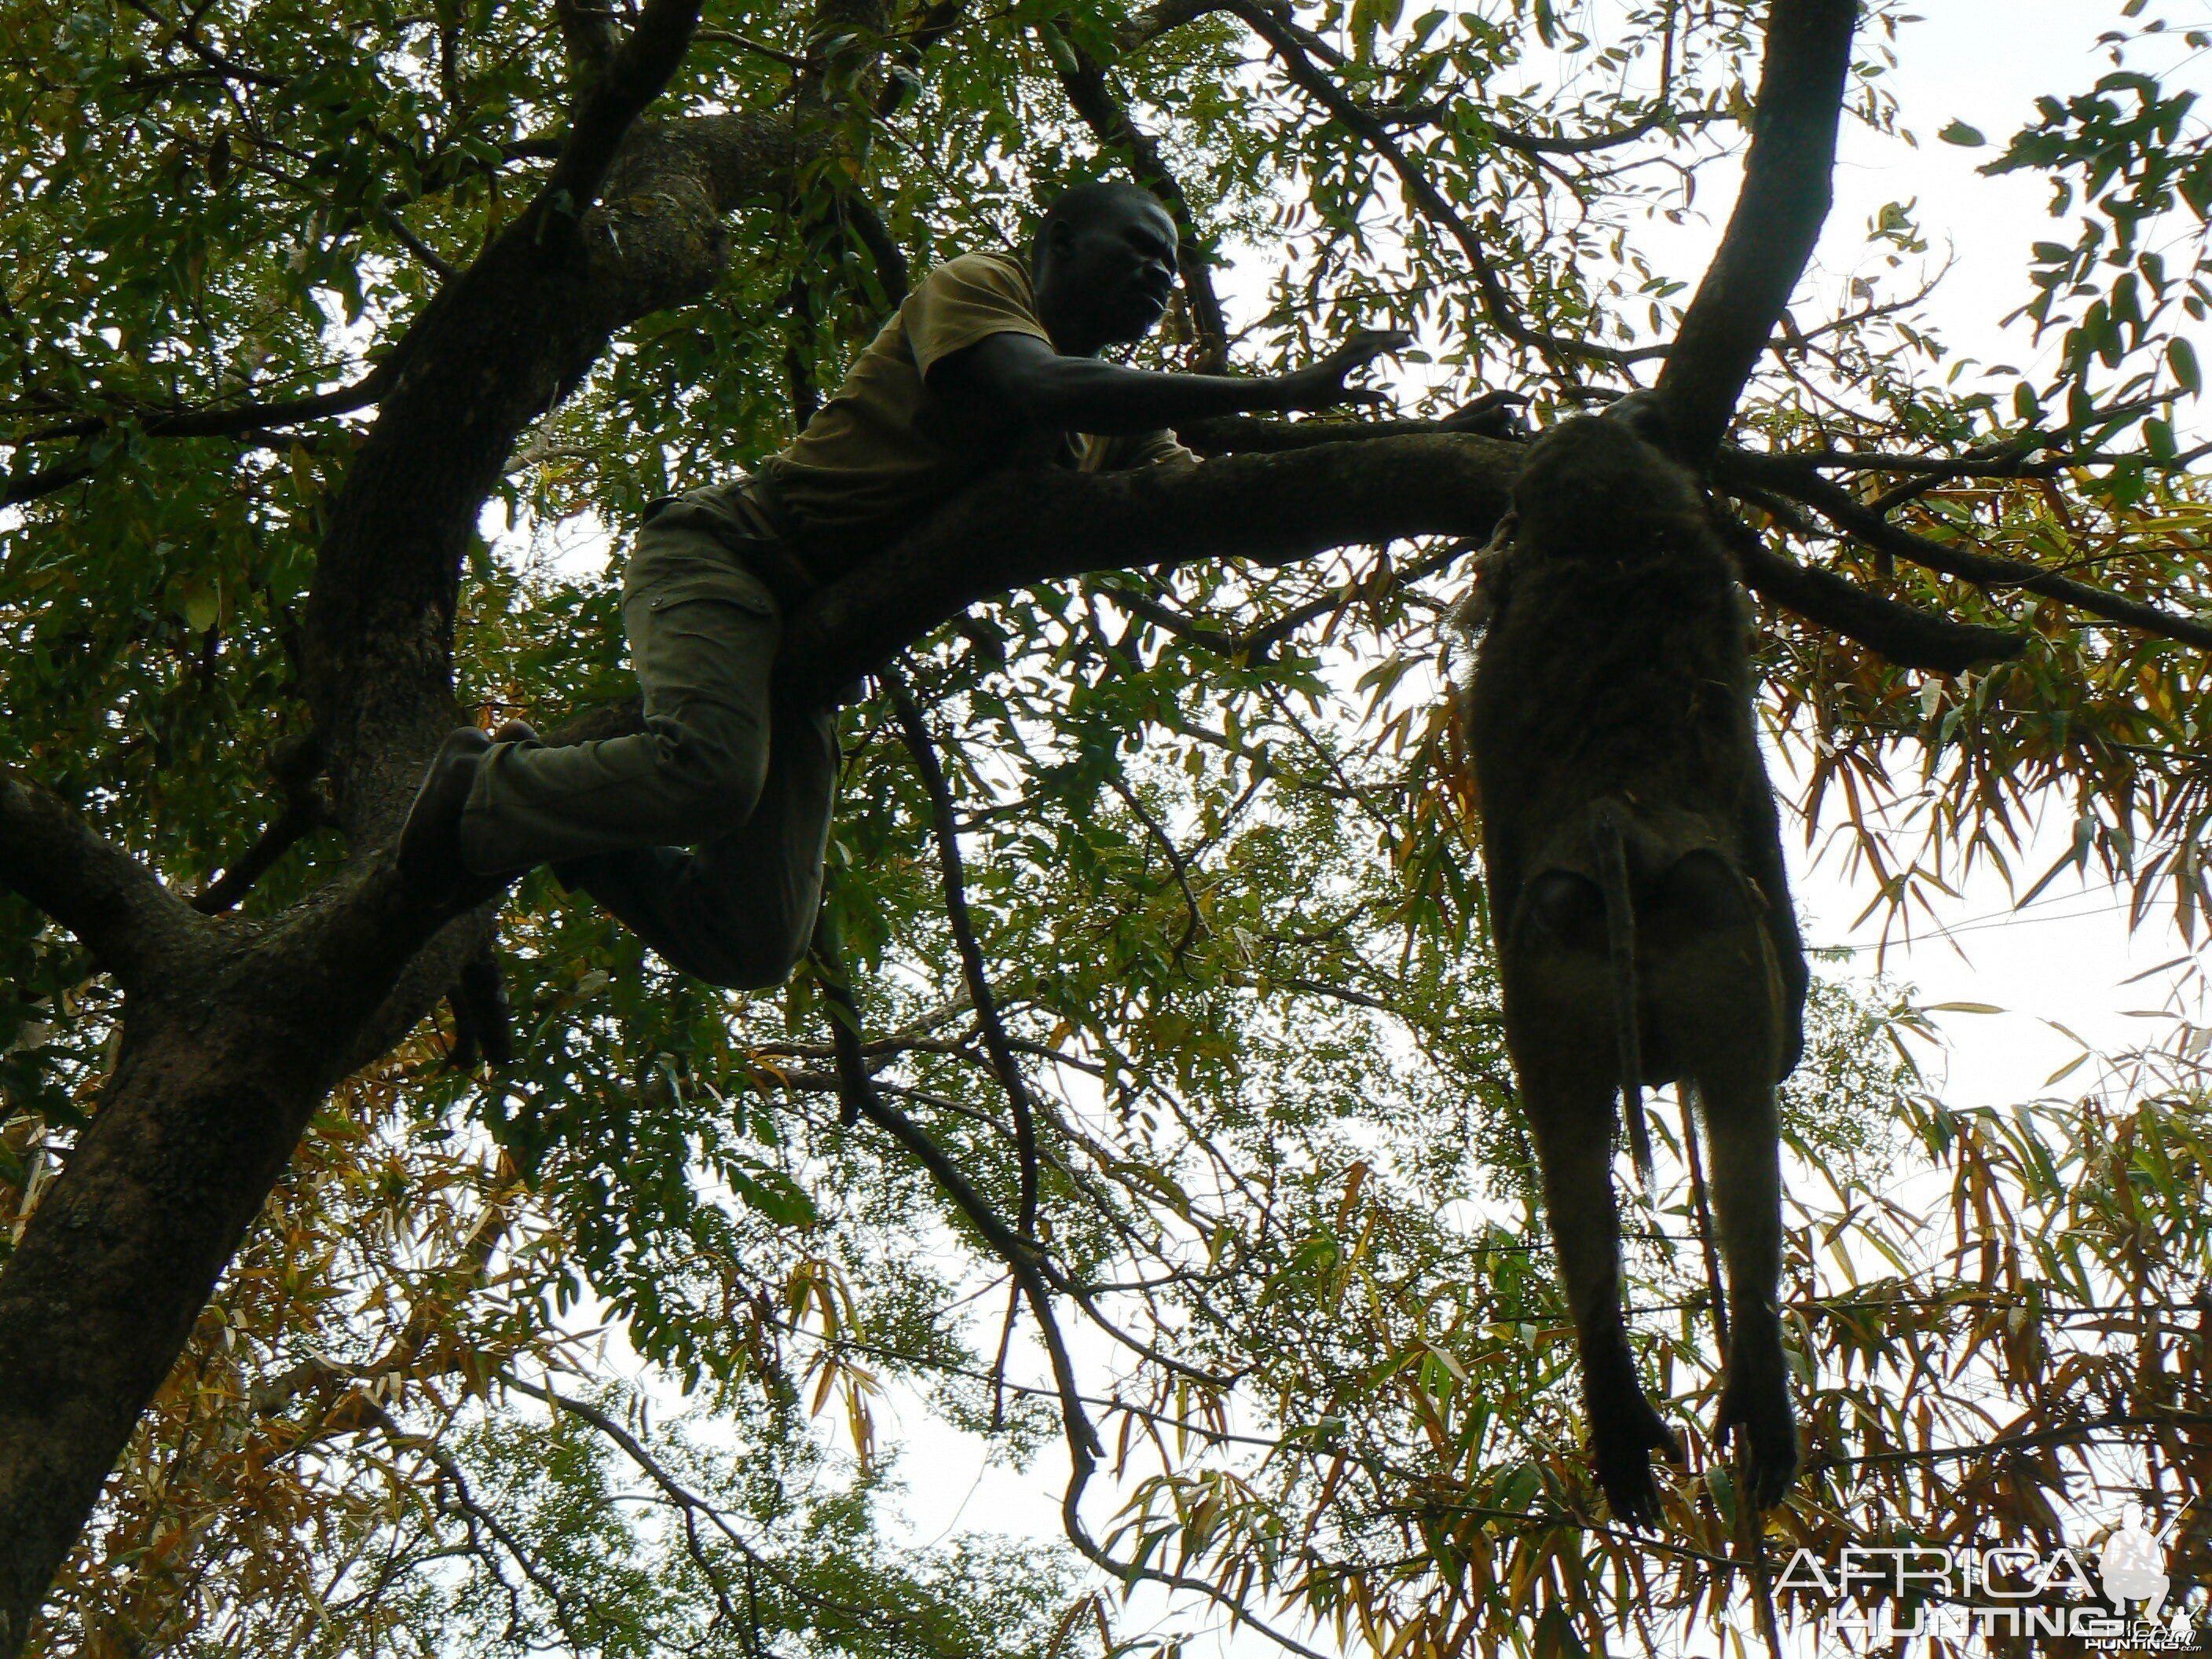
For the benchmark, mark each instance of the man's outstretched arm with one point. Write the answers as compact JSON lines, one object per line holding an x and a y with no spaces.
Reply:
{"x":1021,"y":378}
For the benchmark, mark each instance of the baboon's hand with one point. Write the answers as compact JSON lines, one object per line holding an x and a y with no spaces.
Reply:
{"x":1322,"y":386}
{"x":1756,"y":1405}
{"x":1623,"y":1431}
{"x":1493,"y":415}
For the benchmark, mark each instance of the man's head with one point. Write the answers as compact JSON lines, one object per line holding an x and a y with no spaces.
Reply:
{"x":1105,"y":266}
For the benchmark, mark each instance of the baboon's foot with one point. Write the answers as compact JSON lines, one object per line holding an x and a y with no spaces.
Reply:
{"x":1755,"y":1404}
{"x":1623,"y":1431}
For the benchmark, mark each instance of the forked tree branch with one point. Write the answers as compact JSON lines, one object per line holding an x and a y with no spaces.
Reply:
{"x":610,"y":108}
{"x":250,"y":421}
{"x":1787,"y":188}
{"x":1031,"y":1270}
{"x":295,"y":763}
{"x":230,"y":420}
{"x":300,"y":818}
{"x":688,"y":1503}
{"x":1421,"y":191}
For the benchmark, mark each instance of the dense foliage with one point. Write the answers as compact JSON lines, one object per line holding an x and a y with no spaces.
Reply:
{"x":1215,"y":847}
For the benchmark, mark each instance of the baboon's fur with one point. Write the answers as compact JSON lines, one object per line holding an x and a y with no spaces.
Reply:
{"x":1609,"y":711}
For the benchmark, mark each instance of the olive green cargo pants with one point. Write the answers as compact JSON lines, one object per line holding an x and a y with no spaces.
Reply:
{"x":713,"y":770}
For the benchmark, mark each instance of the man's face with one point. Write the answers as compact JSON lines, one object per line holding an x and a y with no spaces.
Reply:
{"x":1115,"y":273}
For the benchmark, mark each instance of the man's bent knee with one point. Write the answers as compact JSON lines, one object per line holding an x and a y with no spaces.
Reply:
{"x":757,"y":963}
{"x":709,"y":765}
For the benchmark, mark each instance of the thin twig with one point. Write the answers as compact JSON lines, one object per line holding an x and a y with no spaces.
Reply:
{"x":2005,"y":1444}
{"x":923,"y":749}
{"x":1498,"y":303}
{"x":295,"y":763}
{"x":1084,"y":80}
{"x":1192,"y":919}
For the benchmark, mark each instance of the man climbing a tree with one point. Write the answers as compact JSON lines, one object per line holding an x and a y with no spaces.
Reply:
{"x":988,"y":365}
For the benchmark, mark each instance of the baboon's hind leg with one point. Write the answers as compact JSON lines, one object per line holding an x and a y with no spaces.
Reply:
{"x":1559,"y":1022}
{"x":1719,"y":989}
{"x":1738,"y":1108}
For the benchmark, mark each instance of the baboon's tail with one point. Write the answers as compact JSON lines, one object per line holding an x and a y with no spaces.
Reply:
{"x":1611,"y":847}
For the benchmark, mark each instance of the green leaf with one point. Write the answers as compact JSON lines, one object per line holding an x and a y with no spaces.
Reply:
{"x":1967,"y":137}
{"x":203,"y":606}
{"x":2181,"y":358}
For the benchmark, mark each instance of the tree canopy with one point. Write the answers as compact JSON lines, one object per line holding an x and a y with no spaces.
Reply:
{"x":338,"y":342}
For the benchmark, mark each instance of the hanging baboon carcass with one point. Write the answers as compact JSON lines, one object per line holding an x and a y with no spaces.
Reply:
{"x":1637,"y":899}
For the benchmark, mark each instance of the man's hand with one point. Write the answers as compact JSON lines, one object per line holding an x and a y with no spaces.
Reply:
{"x":1322,"y":386}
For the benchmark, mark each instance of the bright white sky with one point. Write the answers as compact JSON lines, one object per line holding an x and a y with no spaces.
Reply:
{"x":2064,"y":961}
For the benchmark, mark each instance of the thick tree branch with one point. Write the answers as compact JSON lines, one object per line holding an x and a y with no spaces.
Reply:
{"x":1032,"y":527}
{"x":1256,"y":435}
{"x":1787,"y":187}
{"x":139,"y":930}
{"x":499,"y":346}
{"x":196,"y":1120}
{"x":1908,"y":637}
{"x":1785,"y":477}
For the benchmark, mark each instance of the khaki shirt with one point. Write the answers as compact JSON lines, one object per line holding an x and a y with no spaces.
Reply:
{"x":881,"y":453}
